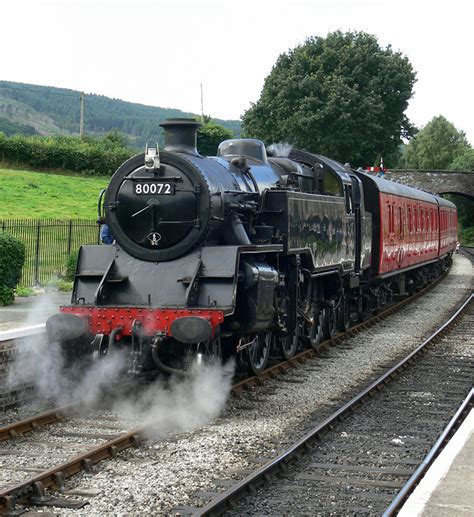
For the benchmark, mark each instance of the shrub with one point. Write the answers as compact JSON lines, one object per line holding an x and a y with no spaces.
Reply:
{"x":467,"y":236}
{"x":71,"y":264}
{"x":57,"y":283}
{"x":24,"y":292}
{"x":12,"y":257}
{"x":93,"y":156}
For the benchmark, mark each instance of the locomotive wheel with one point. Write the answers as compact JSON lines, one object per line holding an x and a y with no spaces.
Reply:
{"x":330,"y":322}
{"x":315,"y":331}
{"x":344,"y":314}
{"x":289,"y":344}
{"x":259,"y":352}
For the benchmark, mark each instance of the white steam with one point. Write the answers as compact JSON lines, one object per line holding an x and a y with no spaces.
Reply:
{"x":280,"y":149}
{"x":182,"y":404}
{"x":41,"y":364}
{"x":173,"y":405}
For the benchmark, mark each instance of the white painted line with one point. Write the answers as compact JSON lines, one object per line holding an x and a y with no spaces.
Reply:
{"x":17,"y":333}
{"x":421,"y":495}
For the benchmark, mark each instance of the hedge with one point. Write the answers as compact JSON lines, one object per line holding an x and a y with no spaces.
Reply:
{"x":92,"y":156}
{"x":12,"y":257}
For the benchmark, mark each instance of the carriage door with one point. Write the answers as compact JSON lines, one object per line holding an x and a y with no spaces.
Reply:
{"x":354,"y":193}
{"x":401,"y":235}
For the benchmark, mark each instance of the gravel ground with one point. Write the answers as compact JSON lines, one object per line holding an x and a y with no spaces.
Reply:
{"x":166,"y":472}
{"x":360,"y":466}
{"x":52,"y":445}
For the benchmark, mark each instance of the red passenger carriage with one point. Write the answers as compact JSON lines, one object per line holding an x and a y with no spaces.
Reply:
{"x":410,"y":227}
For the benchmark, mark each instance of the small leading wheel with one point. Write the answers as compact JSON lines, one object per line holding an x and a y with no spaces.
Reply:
{"x":259,"y":352}
{"x":206,"y":352}
{"x":212,"y":351}
{"x":330,"y":322}
{"x":289,"y":344}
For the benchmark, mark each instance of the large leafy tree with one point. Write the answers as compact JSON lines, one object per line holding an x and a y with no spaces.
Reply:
{"x":436,"y":146}
{"x":463,"y":162}
{"x":343,"y":96}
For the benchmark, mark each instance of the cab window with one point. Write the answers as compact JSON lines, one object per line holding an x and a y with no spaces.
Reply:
{"x":348,"y":196}
{"x":332,"y":184}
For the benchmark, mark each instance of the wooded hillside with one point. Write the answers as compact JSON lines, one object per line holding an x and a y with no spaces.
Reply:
{"x":33,"y":109}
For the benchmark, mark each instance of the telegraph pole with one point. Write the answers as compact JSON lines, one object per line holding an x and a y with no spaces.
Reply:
{"x":202,"y":105}
{"x":81,"y":121}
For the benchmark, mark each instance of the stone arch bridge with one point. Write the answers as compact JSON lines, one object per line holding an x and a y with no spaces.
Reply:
{"x":437,"y":182}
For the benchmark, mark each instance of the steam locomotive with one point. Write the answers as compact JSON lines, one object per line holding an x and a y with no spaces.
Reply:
{"x":244,"y":254}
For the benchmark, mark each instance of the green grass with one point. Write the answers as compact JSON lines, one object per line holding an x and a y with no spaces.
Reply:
{"x":27,"y":194}
{"x":24,"y":292}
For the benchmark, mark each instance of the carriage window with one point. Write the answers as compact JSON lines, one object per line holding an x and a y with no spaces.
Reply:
{"x":332,"y":184}
{"x":391,"y":221}
{"x":410,"y":222}
{"x":400,"y":215}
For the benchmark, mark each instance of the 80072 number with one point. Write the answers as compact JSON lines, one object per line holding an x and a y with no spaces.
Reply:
{"x":153,"y":188}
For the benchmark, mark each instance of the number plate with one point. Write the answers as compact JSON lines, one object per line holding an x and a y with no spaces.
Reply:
{"x":143,"y":188}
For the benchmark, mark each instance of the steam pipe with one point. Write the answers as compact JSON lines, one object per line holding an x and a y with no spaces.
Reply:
{"x":236,"y":233}
{"x":159,"y":363}
{"x":115,"y":332}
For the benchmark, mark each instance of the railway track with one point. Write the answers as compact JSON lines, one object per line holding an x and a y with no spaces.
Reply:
{"x":468,"y":251}
{"x":364,"y":454}
{"x":33,"y":488}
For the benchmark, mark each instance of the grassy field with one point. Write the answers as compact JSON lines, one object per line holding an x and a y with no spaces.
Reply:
{"x":26,"y":194}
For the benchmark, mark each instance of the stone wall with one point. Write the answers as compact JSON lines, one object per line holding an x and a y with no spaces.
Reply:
{"x":437,"y":182}
{"x":15,"y":394}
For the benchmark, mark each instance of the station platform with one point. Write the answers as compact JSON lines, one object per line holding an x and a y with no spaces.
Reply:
{"x":31,"y":310}
{"x":447,"y":489}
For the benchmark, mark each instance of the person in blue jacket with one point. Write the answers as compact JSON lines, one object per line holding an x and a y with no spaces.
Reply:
{"x":105,"y":236}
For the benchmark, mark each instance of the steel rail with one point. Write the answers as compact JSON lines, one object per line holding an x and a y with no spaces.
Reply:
{"x":50,"y":417}
{"x":256,"y":478}
{"x":411,"y":484}
{"x":56,"y":475}
{"x":33,"y":423}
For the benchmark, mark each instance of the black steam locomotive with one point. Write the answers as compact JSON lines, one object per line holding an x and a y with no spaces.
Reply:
{"x":239,"y":255}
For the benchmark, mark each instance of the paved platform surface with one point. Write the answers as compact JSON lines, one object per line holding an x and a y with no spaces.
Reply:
{"x":32,"y":310}
{"x":447,"y":489}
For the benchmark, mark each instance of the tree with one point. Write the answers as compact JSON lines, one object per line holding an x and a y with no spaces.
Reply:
{"x":343,"y":96}
{"x":114,"y":138}
{"x":435,"y":146}
{"x":463,"y":162}
{"x":210,"y":135}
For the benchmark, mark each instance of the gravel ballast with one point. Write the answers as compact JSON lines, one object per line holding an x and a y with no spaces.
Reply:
{"x":166,"y":472}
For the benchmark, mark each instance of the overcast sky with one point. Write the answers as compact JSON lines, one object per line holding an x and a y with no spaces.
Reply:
{"x":158,"y":52}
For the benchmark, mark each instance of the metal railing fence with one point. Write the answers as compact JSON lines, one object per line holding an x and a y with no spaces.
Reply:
{"x":48,"y":244}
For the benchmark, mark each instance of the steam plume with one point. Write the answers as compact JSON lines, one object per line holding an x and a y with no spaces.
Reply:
{"x":280,"y":149}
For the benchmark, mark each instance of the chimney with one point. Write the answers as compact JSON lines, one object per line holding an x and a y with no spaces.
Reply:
{"x":181,"y":135}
